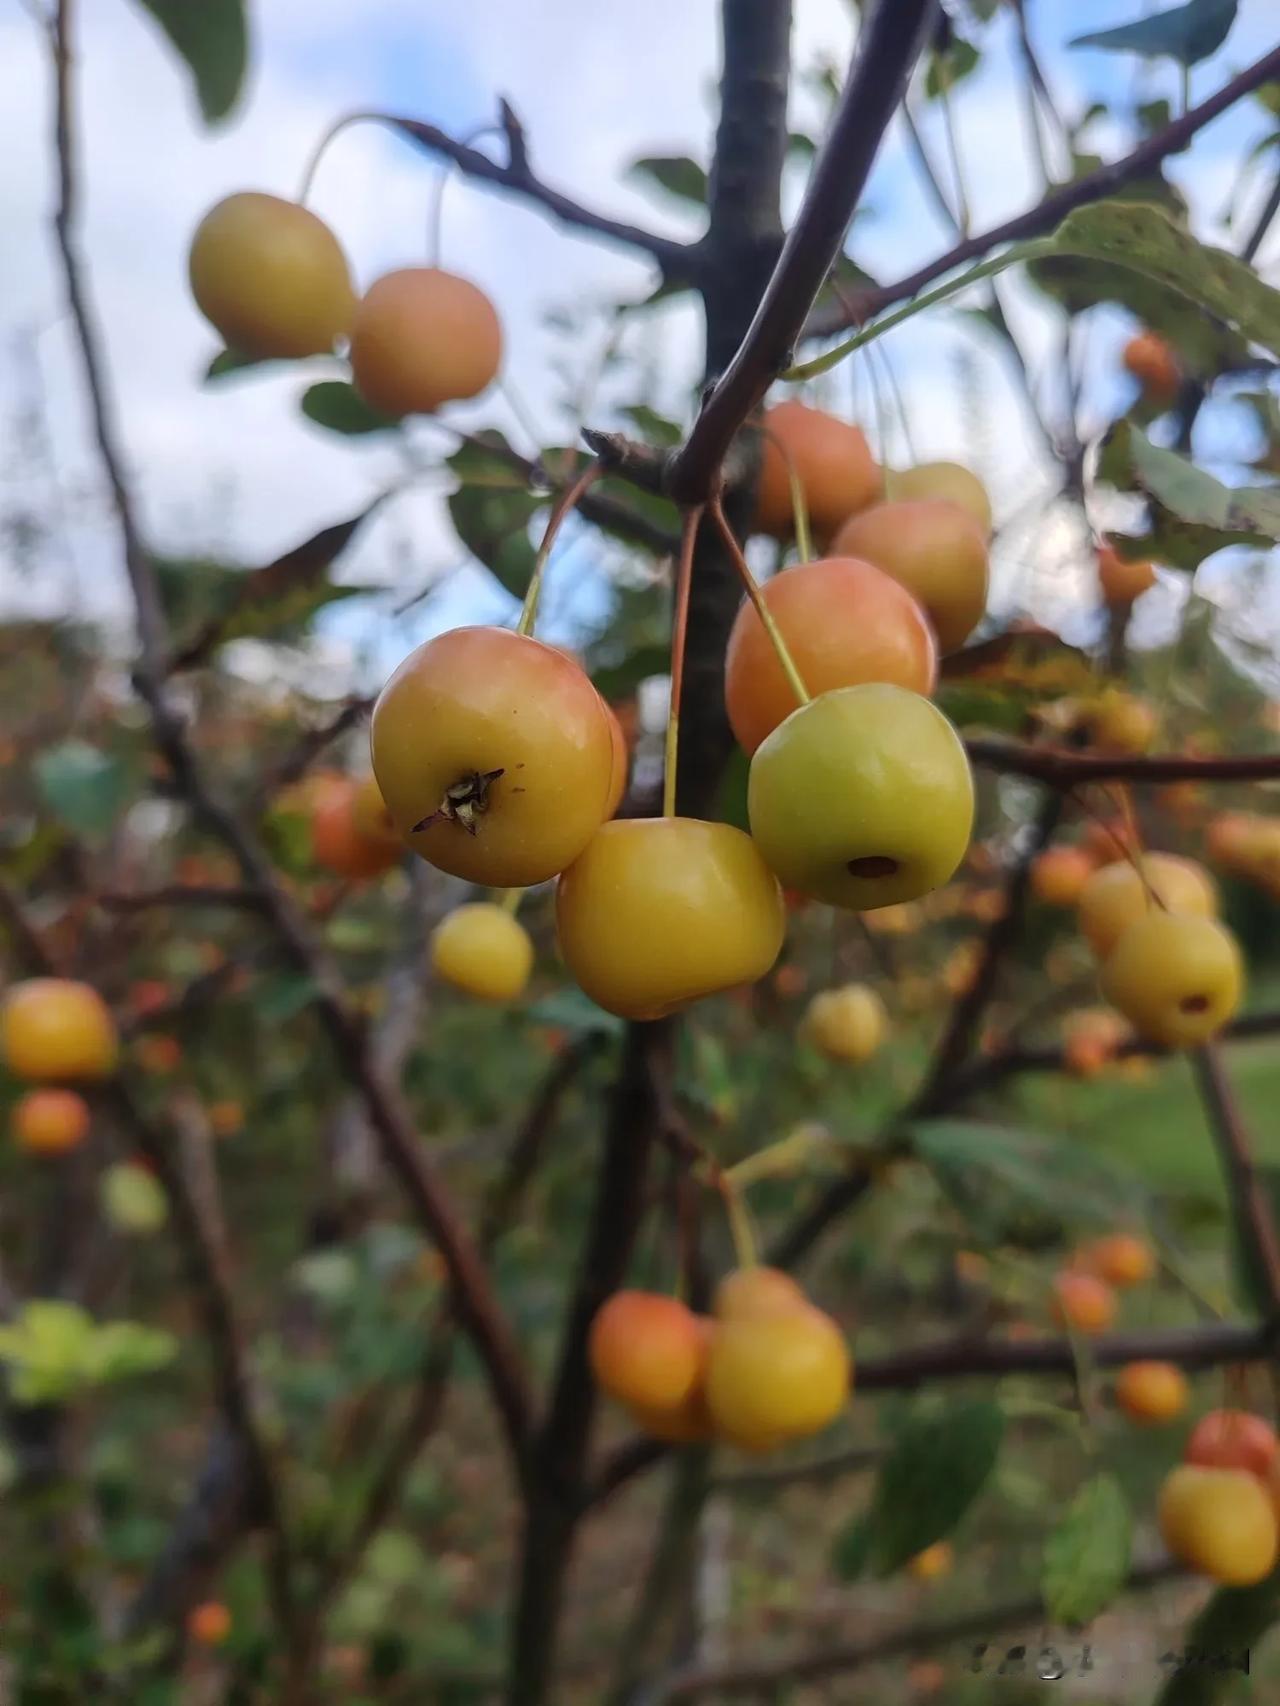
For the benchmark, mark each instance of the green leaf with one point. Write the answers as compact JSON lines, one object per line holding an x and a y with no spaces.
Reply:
{"x":1134,"y":235}
{"x":213,"y":37}
{"x":229,"y":362}
{"x":653,"y":426}
{"x":491,"y":511}
{"x":282,"y":997}
{"x":1187,"y":33}
{"x":949,"y":68}
{"x":1086,"y":1557}
{"x":675,"y":173}
{"x":83,"y":787}
{"x":1023,"y":1186}
{"x":1192,"y":513}
{"x":280,"y":595}
{"x":571,"y":1010}
{"x":338,"y":406}
{"x":938,"y":1464}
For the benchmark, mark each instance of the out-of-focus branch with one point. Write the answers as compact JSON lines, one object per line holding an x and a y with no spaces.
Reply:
{"x":1094,"y":186}
{"x":1060,"y":768}
{"x":1251,"y":1210}
{"x":477,"y":1302}
{"x":679,"y":261}
{"x":765,"y":1677}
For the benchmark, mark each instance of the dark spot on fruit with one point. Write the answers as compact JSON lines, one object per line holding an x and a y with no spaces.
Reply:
{"x":1194,"y":1004}
{"x":872,"y":865}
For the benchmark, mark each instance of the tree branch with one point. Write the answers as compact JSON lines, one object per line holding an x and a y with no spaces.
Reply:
{"x":680,"y":262}
{"x":1094,"y":186}
{"x":888,"y":46}
{"x":1061,"y":768}
{"x":1251,"y":1210}
{"x":477,"y":1302}
{"x":767,"y":1676}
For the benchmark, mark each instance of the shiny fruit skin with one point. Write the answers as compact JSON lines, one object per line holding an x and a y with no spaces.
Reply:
{"x":1119,"y":894}
{"x":948,"y":480}
{"x":936,"y":549}
{"x":53,"y":1028}
{"x":833,"y":463}
{"x":746,"y":1294}
{"x":1122,"y":1259}
{"x":421,"y":337}
{"x":476,"y":700}
{"x":1151,"y":1393}
{"x":1120,"y":581}
{"x":481,"y":949}
{"x":621,"y":760}
{"x":1153,"y":364}
{"x":49,"y":1122}
{"x":1233,"y":1439}
{"x":209,"y":1624}
{"x":346,"y":837}
{"x":646,"y":1350}
{"x":844,"y":622}
{"x":270,"y":277}
{"x":1059,"y":874}
{"x":936,"y":1560}
{"x":1083,"y":1301}
{"x":688,"y":1422}
{"x":658,"y":912}
{"x":1177,"y":979}
{"x":1218,"y":1522}
{"x":847,"y":1024}
{"x":772,"y":1378}
{"x":874,"y":776}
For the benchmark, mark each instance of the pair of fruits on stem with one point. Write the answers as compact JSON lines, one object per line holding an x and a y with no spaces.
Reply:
{"x":1219,"y":1509}
{"x":272,"y":278}
{"x":766,"y":1367}
{"x":55,"y":1032}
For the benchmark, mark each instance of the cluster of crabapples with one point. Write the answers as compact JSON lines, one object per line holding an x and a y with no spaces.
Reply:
{"x":765,"y":1367}
{"x":500,"y":763}
{"x":54,"y":1033}
{"x":1167,"y":962}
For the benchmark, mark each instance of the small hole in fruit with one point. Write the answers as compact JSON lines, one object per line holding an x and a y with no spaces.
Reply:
{"x":872,"y":865}
{"x":1194,"y":1004}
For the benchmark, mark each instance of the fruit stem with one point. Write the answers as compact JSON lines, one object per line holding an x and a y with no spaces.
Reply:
{"x":785,"y":1156}
{"x":679,"y":630}
{"x":799,"y":503}
{"x":761,"y":608}
{"x":334,"y":130}
{"x":435,"y":220}
{"x":509,"y":900}
{"x":567,"y":501}
{"x":740,"y":1228}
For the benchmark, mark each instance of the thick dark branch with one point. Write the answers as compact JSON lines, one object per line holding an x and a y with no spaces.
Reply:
{"x":680,"y":262}
{"x":888,"y":47}
{"x":766,"y":1677}
{"x":1094,"y":186}
{"x":1061,"y":768}
{"x":1250,"y":1207}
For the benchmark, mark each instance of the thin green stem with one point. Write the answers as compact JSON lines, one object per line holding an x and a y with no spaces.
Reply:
{"x":334,"y":130}
{"x":963,"y":217}
{"x":762,"y":610}
{"x":740,"y":1228}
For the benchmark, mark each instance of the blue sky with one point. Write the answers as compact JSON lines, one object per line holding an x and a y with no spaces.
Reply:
{"x":235,"y":469}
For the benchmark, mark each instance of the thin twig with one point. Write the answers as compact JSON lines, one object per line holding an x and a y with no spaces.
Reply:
{"x":1251,"y":1210}
{"x":864,"y":305}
